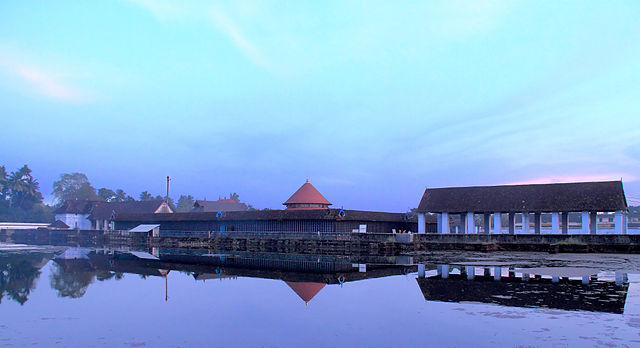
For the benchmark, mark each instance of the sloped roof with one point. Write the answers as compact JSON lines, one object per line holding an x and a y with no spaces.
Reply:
{"x":219,"y":205}
{"x":307,"y":194}
{"x":103,"y":210}
{"x":144,"y":228}
{"x":306,"y":291}
{"x":573,"y":197}
{"x":59,"y":224}
{"x":79,"y":206}
{"x":317,"y":214}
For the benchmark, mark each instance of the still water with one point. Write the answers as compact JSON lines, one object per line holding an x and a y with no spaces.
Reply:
{"x":73,"y":297}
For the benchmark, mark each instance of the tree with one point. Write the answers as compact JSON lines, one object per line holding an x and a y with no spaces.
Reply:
{"x":185,"y":203}
{"x":73,"y":186}
{"x":235,"y":197}
{"x":121,"y":196}
{"x":145,"y":196}
{"x":23,"y":189}
{"x":4,"y":181}
{"x":107,"y":195}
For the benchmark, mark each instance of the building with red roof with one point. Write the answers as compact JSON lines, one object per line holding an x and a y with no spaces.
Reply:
{"x":306,"y":198}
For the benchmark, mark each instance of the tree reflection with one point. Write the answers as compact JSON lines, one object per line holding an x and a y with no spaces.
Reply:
{"x":70,"y":284}
{"x":18,"y":275}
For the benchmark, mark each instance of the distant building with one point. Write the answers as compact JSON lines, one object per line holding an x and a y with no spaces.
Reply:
{"x":103,"y":213}
{"x":96,"y":215}
{"x":307,"y":212}
{"x":75,"y":213}
{"x":219,"y":205}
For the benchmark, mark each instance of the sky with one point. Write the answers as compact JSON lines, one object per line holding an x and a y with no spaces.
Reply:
{"x":373,"y":101}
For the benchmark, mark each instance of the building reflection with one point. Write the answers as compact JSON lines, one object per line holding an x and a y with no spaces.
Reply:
{"x":306,"y":275}
{"x":573,"y":289}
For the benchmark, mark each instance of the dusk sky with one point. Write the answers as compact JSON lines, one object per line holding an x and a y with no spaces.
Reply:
{"x":373,"y":101}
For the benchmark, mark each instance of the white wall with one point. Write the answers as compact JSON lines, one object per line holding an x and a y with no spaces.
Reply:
{"x":75,"y":220}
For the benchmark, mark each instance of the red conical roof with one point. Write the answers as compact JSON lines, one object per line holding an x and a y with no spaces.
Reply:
{"x":306,"y":291}
{"x":307,"y":194}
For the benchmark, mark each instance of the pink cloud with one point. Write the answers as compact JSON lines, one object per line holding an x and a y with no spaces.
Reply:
{"x":47,"y":84}
{"x":575,"y":178}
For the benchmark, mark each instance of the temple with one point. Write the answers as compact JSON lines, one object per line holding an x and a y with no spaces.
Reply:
{"x":307,"y":211}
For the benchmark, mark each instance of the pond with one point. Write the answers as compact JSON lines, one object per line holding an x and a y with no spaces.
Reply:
{"x":94,"y":297}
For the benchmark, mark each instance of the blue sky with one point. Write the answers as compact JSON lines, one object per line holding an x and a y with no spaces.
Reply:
{"x":374,"y":101}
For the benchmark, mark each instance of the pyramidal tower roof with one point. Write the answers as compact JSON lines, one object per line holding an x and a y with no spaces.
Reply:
{"x":307,"y":197}
{"x":306,"y":290}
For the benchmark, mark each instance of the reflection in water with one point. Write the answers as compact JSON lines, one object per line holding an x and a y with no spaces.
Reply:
{"x":19,"y":272}
{"x":519,"y":289}
{"x":76,"y":269}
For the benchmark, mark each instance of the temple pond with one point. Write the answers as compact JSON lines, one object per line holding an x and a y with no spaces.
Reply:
{"x":62,"y":296}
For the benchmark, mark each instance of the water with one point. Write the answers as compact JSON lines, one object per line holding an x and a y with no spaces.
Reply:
{"x":54,"y":296}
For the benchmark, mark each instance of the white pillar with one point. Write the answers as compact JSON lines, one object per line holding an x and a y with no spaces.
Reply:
{"x":586,"y":279}
{"x":555,"y":223}
{"x":445,"y":271}
{"x":445,"y":223}
{"x":619,"y":223}
{"x":439,"y":223}
{"x":421,"y":270}
{"x":497,"y":223}
{"x":525,"y":222}
{"x":497,"y":273}
{"x":471,"y":272}
{"x":585,"y":222}
{"x":471,"y":223}
{"x":421,"y":225}
{"x":512,"y":223}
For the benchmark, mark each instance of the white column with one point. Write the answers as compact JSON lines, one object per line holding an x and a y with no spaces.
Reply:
{"x":497,"y":273}
{"x":421,"y":225}
{"x":445,"y":223}
{"x":585,"y":222}
{"x":619,"y":222}
{"x":471,"y":272}
{"x":555,"y":223}
{"x":445,"y":271}
{"x":497,"y":223}
{"x":471,"y":223}
{"x":439,"y":218}
{"x":525,"y":222}
{"x":421,"y":270}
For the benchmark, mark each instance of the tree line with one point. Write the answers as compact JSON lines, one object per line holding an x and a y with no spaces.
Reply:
{"x":22,"y":201}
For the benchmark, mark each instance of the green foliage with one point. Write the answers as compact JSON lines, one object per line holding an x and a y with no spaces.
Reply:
{"x":70,"y":284}
{"x":20,"y":197}
{"x":106,"y":195}
{"x":185,"y":203}
{"x":18,"y":275}
{"x":145,"y":196}
{"x":234,"y":196}
{"x":73,"y":186}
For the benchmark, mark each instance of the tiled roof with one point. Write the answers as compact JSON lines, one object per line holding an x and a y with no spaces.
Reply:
{"x":571,"y":197}
{"x":307,"y":194}
{"x":103,"y":210}
{"x":318,"y":214}
{"x":219,"y":205}
{"x":75,"y":207}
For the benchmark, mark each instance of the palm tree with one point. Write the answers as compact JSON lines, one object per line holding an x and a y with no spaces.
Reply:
{"x":23,"y":188}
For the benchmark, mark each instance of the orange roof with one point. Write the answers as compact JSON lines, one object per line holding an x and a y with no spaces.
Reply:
{"x":306,"y":291}
{"x":307,"y":194}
